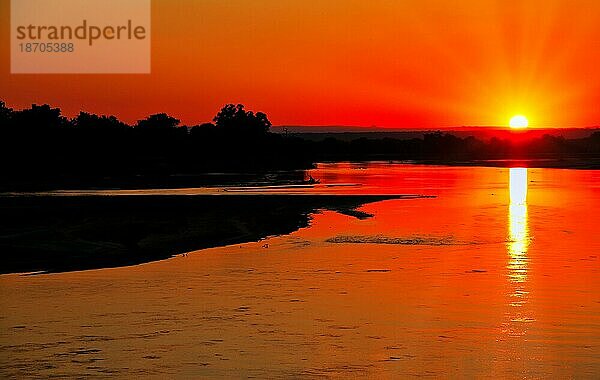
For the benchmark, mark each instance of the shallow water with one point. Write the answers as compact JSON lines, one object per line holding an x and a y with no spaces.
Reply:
{"x":498,"y":275}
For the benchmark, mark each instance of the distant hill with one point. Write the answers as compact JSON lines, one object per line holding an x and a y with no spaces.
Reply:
{"x":318,"y":133}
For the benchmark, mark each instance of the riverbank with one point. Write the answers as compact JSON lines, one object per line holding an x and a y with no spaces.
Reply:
{"x":68,"y":233}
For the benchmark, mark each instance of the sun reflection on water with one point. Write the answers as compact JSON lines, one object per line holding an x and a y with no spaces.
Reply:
{"x":517,"y":247}
{"x":518,"y":229}
{"x":518,"y":186}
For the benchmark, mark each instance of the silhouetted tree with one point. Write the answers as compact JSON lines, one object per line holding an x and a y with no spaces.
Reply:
{"x":207,"y":126}
{"x":91,"y":121}
{"x":235,"y":119}
{"x":205,"y":131}
{"x":158,"y":121}
{"x":40,"y":118}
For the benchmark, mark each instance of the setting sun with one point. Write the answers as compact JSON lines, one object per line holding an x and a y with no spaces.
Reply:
{"x":518,"y":121}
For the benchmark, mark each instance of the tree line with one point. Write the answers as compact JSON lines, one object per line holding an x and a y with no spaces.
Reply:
{"x":43,"y":148}
{"x":40,"y":145}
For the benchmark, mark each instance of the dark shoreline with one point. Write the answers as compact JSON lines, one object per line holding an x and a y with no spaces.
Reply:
{"x":275,"y":177}
{"x":62,"y":232}
{"x":59,"y":234}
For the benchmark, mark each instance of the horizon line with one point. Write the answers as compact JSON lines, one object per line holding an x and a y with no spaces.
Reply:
{"x":376,"y":127}
{"x":408,"y":129}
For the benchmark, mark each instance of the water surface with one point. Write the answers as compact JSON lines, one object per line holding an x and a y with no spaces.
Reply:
{"x":498,"y":275}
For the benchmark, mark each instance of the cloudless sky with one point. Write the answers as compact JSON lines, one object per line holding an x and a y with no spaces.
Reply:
{"x":421,"y":63}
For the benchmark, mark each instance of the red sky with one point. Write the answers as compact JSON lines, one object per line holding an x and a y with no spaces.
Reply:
{"x":425,"y":63}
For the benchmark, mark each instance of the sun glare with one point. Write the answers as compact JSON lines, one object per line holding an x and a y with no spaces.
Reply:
{"x":518,"y":186}
{"x":518,"y":121}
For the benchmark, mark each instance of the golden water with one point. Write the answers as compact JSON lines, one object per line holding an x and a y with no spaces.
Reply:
{"x":498,"y":276}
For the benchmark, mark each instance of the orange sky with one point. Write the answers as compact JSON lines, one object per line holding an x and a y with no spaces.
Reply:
{"x":425,"y":63}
